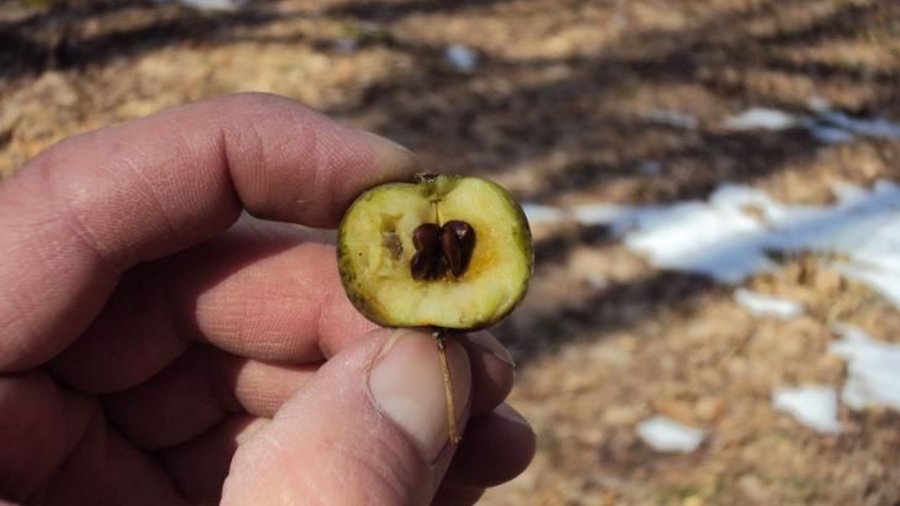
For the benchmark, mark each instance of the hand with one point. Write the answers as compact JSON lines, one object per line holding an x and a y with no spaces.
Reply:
{"x":156,"y":344}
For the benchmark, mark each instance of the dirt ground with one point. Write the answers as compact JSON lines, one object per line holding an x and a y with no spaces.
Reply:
{"x":563,"y":107}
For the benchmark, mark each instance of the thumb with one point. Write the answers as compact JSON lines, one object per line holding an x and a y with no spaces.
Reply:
{"x":369,"y":428}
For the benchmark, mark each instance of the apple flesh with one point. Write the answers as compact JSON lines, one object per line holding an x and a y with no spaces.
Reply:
{"x":448,"y":251}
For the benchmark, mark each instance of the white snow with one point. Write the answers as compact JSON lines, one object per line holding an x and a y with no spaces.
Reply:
{"x":732,"y":234}
{"x":462,"y":58}
{"x":878,"y":128}
{"x":728,"y":237}
{"x":214,"y":5}
{"x":536,"y":213}
{"x":673,"y":118}
{"x":700,"y":238}
{"x":619,"y":218}
{"x":873,"y":369}
{"x":818,"y":103}
{"x":825,"y":125}
{"x":815,"y":406}
{"x":831,"y":135}
{"x":666,"y":435}
{"x":761,"y":304}
{"x":724,"y":238}
{"x":762,"y":118}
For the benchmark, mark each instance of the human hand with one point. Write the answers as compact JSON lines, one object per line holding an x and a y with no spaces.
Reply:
{"x":156,"y":343}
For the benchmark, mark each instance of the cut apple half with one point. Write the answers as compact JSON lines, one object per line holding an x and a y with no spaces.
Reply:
{"x":452,"y":252}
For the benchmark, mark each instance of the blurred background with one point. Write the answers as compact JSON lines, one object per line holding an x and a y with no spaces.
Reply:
{"x":713,"y":318}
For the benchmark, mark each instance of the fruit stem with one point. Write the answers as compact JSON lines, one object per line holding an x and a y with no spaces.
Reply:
{"x":440,"y":339}
{"x":437,"y":214}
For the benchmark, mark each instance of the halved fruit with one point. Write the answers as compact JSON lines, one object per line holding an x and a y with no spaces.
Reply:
{"x":449,"y":251}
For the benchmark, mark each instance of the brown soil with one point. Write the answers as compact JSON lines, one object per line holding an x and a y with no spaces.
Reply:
{"x":562,"y":109}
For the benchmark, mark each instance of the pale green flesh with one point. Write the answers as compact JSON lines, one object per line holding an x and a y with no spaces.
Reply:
{"x":379,"y":280}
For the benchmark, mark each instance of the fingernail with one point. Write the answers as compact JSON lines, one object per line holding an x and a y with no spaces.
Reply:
{"x":407,"y":386}
{"x":396,"y":159}
{"x":390,"y":143}
{"x":488,"y":343}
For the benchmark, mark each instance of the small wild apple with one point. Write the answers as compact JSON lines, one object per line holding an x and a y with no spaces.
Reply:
{"x":450,"y":252}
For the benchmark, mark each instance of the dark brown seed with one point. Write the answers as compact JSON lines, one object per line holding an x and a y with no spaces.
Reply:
{"x":452,"y":250}
{"x":425,"y":237}
{"x":440,"y":250}
{"x":466,"y":235}
{"x":424,"y":263}
{"x":457,"y":244}
{"x":440,"y":267}
{"x":421,"y":266}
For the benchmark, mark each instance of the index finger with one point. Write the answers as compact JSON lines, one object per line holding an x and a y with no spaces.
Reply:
{"x":81,"y":213}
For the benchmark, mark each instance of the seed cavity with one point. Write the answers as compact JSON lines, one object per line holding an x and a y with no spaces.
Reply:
{"x":442,"y":250}
{"x":391,"y":241}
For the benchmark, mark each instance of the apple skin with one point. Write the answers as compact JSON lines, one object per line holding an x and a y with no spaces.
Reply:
{"x":458,"y":301}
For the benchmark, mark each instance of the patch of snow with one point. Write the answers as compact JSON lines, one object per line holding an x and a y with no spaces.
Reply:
{"x":825,"y":125}
{"x":862,"y":226}
{"x":848,"y":193}
{"x":728,"y":237}
{"x":813,"y":405}
{"x":762,"y":118}
{"x":650,"y":167}
{"x":830,"y":135}
{"x":619,"y":218}
{"x":873,"y":369}
{"x":666,"y":435}
{"x":214,"y":5}
{"x":537,"y":213}
{"x":818,"y":103}
{"x":462,"y":58}
{"x":737,"y":198}
{"x":732,"y":234}
{"x":767,"y":305}
{"x":673,"y":118}
{"x":702,"y":239}
{"x":878,"y":128}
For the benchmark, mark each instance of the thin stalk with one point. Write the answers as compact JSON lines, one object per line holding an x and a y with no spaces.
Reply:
{"x":440,"y":340}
